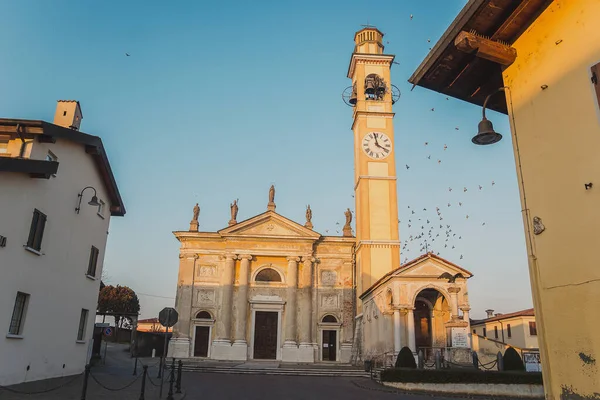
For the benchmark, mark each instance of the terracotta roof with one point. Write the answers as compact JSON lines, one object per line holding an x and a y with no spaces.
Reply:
{"x":523,"y":313}
{"x":410,"y":264}
{"x":148,"y":321}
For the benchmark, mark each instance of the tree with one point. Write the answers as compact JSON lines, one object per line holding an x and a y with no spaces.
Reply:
{"x":120,"y":301}
{"x":405,"y":359}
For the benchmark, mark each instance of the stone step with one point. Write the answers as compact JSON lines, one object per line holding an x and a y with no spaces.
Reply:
{"x":278,"y":371}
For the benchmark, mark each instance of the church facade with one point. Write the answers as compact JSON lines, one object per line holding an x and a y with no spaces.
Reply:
{"x":272,"y":288}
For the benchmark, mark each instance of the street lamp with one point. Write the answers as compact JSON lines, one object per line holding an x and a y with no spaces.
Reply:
{"x":92,"y":202}
{"x":486,"y":133}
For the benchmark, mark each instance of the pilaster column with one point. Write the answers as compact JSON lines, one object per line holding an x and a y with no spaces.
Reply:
{"x":291,"y":310}
{"x":241,"y":317}
{"x":453,"y":290}
{"x":224,"y":319}
{"x":397,"y":331}
{"x":305,"y":336}
{"x":314,"y":303}
{"x":410,"y":316}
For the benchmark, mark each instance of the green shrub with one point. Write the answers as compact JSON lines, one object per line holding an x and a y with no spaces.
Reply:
{"x":405,"y":359}
{"x":512,"y":360}
{"x":459,"y":376}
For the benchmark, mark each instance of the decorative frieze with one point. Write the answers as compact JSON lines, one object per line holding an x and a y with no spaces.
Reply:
{"x":328,"y":277}
{"x":329,"y":301}
{"x":206,"y":296}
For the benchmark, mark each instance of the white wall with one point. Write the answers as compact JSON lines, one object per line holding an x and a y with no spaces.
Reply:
{"x":56,"y":279}
{"x":519,"y":327}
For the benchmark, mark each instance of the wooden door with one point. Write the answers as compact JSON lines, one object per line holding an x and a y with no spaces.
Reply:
{"x":265,"y":335}
{"x":201,"y":341}
{"x":329,"y":345}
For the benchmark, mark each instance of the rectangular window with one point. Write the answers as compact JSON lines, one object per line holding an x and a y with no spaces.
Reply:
{"x":36,"y":232}
{"x":18,"y":316}
{"x":82,"y":324}
{"x":101,"y":206}
{"x":91,"y":271}
{"x":475,"y":331}
{"x":508,"y":331}
{"x":532,"y":328}
{"x":495,"y":332}
{"x":484,"y":332}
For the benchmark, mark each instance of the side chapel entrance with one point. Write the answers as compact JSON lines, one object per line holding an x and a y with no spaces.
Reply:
{"x":329,"y":345}
{"x":265,"y":335}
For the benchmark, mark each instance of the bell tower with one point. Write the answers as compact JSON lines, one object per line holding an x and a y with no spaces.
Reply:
{"x":372,"y":96}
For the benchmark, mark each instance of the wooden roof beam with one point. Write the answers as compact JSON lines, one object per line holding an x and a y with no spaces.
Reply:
{"x":471,"y":42}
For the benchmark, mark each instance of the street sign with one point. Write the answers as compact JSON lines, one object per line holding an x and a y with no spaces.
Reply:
{"x":108,"y":331}
{"x":168,"y":317}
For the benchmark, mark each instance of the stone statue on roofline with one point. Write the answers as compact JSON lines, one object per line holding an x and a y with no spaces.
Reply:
{"x":234,"y":211}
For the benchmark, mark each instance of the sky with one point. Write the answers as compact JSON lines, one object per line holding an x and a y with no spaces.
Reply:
{"x":219,"y":100}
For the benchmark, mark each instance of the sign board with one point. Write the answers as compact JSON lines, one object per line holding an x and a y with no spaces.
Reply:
{"x":532,"y":362}
{"x":168,"y":317}
{"x":102,"y":325}
{"x":108,"y":331}
{"x":460,"y":337}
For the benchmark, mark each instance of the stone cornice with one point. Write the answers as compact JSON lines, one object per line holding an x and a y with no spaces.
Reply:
{"x":378,"y":243}
{"x":365,"y":58}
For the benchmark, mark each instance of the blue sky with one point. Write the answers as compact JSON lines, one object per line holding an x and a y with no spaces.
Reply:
{"x":219,"y":100}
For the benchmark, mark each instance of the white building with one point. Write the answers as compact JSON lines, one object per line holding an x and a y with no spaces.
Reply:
{"x":517,"y":329}
{"x":52,"y":243}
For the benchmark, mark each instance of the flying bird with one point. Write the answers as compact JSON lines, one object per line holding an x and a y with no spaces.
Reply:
{"x":445,"y":147}
{"x":493,"y":183}
{"x":426,"y":143}
{"x":433,"y":109}
{"x":461,"y":257}
{"x":467,"y":217}
{"x":456,"y":128}
{"x":411,"y":17}
{"x":127,"y":55}
{"x":449,"y":189}
{"x":480,"y":187}
{"x":465,"y":189}
{"x":407,"y":167}
{"x":460,"y":204}
{"x":429,"y":157}
{"x":439,"y":161}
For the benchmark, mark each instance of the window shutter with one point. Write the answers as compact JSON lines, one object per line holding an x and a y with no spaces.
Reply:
{"x":596,"y":81}
{"x":32,"y":229}
{"x":40,"y":231}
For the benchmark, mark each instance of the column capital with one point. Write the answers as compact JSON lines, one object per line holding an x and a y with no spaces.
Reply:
{"x":465,"y":308}
{"x":453,"y":289}
{"x":245,"y":257}
{"x":228,"y":256}
{"x":308,"y":259}
{"x":293,"y":259}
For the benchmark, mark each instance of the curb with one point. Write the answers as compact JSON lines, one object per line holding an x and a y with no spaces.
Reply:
{"x":387,"y":389}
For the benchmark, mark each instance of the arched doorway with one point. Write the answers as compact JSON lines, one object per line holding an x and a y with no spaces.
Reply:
{"x":422,"y":324}
{"x":431,"y":312}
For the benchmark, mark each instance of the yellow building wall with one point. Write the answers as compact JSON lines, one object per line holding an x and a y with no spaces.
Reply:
{"x":556,"y":136}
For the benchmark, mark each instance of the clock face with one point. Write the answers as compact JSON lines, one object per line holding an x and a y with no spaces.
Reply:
{"x":377,"y":145}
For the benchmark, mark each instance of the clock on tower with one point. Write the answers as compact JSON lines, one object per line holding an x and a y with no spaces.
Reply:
{"x":371,"y":95}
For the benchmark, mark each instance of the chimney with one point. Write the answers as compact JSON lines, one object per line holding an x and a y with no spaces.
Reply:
{"x":490,"y":313}
{"x":68,"y":114}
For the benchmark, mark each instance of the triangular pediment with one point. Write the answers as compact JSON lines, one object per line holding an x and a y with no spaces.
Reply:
{"x":270,"y":224}
{"x":431,"y":266}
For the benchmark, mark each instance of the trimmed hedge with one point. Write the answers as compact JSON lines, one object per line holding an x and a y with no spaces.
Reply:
{"x":512,"y":360}
{"x":405,"y":359}
{"x":459,"y":376}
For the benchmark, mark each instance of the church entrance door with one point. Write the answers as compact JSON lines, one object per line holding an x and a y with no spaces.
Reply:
{"x":329,"y":345}
{"x":265,"y":335}
{"x":201,"y":341}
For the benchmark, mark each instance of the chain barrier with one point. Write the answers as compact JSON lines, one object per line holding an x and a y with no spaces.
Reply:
{"x":165,"y":378}
{"x":113,"y":389}
{"x":492,"y":363}
{"x":149,"y":365}
{"x":429,"y":366}
{"x":62,"y":385}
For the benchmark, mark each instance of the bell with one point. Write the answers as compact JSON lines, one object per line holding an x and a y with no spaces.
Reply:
{"x":369,"y":86}
{"x":352,"y":98}
{"x":486,"y":134}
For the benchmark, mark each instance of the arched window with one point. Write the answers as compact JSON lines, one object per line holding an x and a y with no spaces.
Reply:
{"x":330,"y":319}
{"x":203,"y":315}
{"x":268,"y":275}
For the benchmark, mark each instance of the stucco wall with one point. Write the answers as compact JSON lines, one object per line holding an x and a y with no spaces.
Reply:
{"x":556,"y":136}
{"x":519,"y":327}
{"x":56,"y":279}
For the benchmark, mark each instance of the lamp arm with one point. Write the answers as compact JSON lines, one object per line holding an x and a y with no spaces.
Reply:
{"x":500,"y":89}
{"x":80,"y":196}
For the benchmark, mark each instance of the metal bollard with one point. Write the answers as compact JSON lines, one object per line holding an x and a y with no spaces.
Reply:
{"x":179,"y":372}
{"x":143,"y":392}
{"x":500,"y":361}
{"x":475,"y":359}
{"x":438,"y":361}
{"x":171,"y":381}
{"x":421,"y":364}
{"x":85,"y":381}
{"x":135,"y":367}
